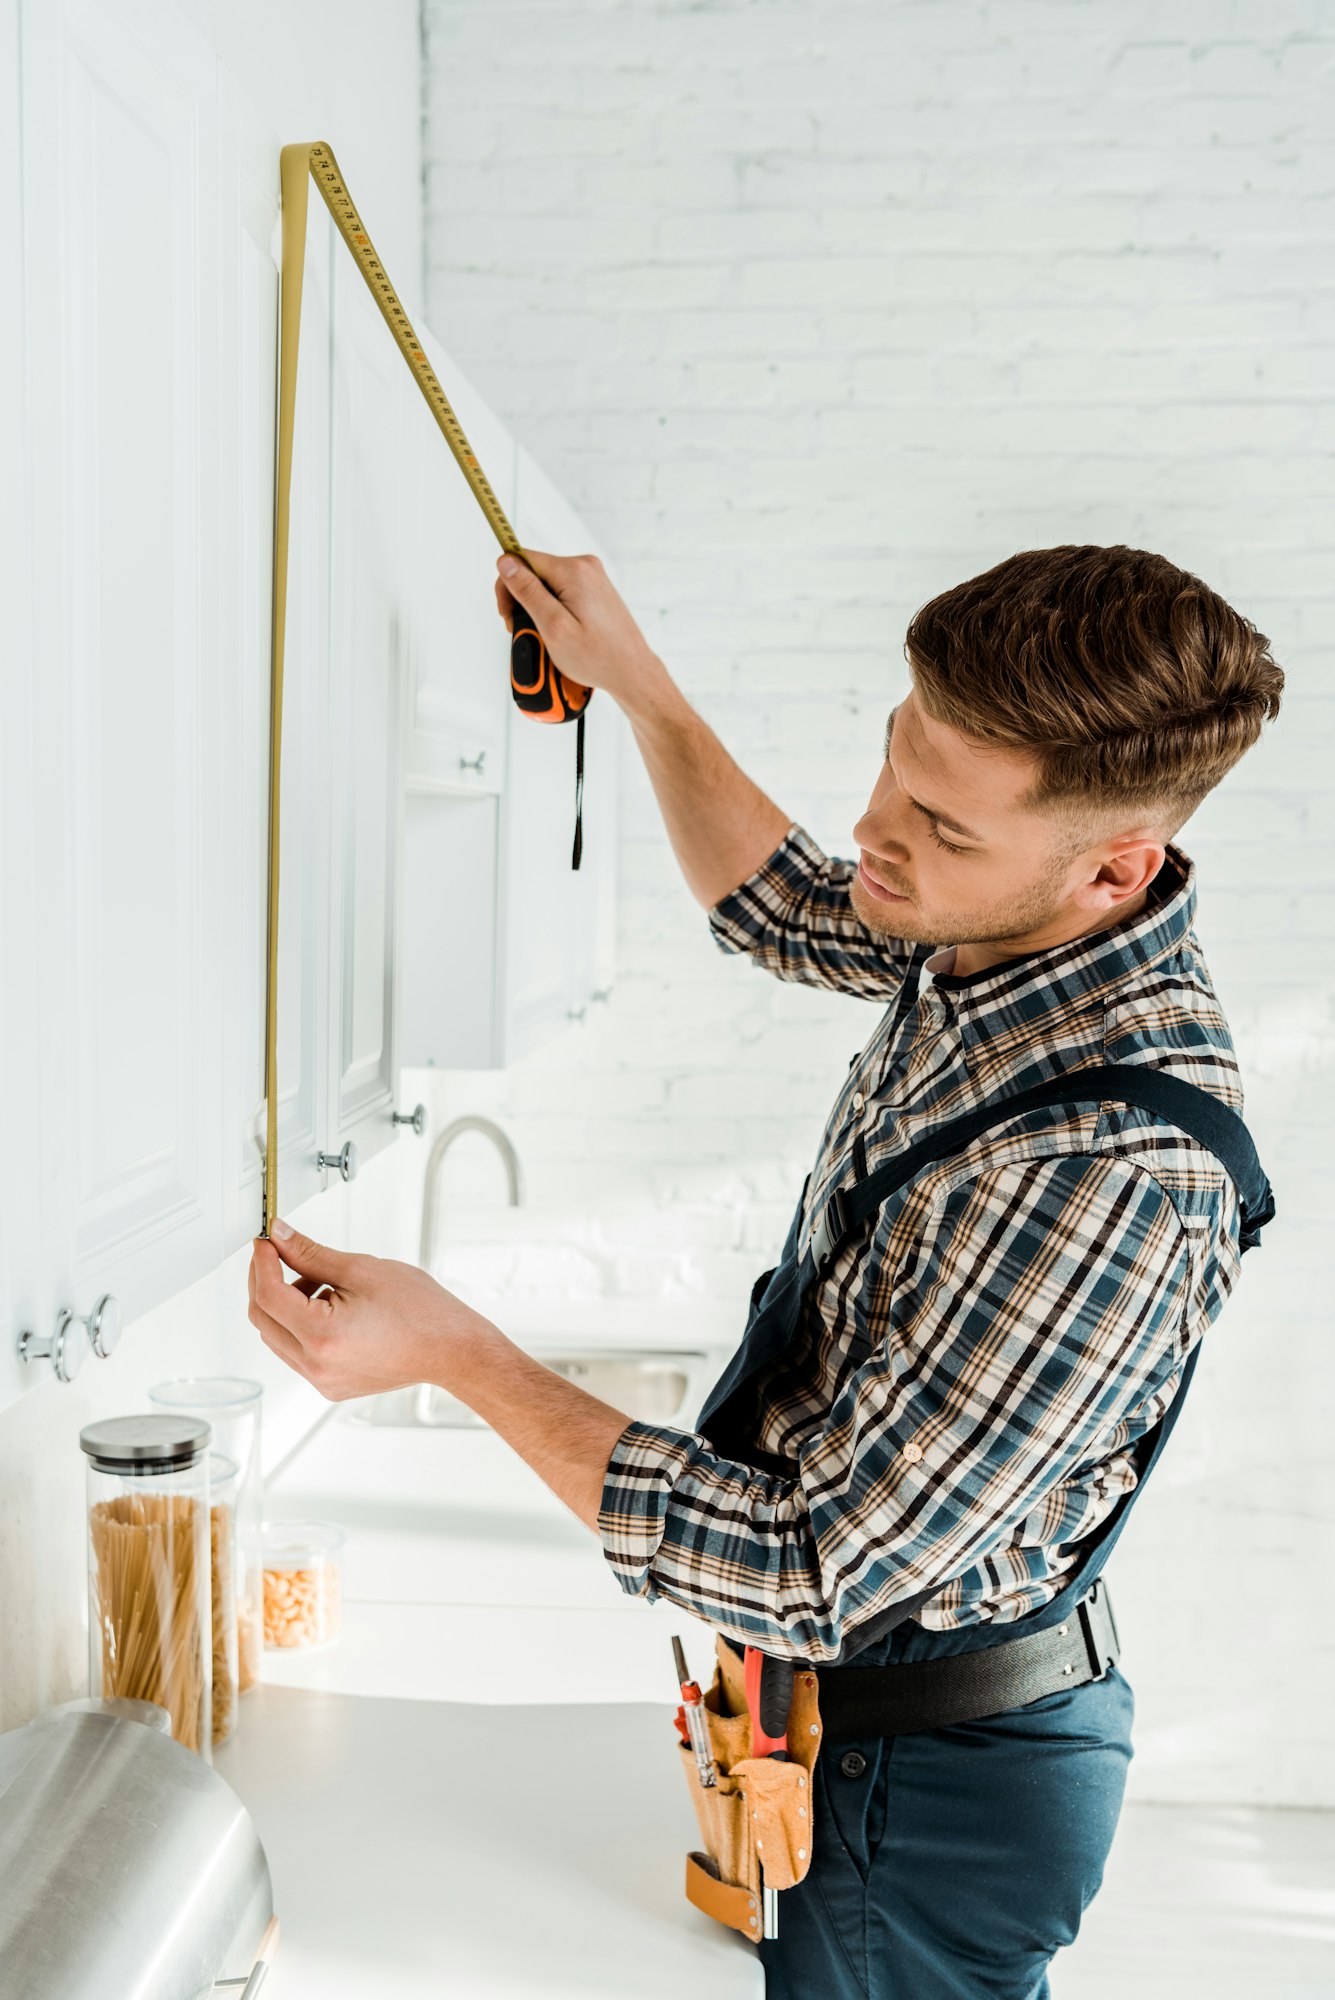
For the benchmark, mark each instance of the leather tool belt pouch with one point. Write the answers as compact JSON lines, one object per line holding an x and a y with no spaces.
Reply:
{"x":758,"y":1814}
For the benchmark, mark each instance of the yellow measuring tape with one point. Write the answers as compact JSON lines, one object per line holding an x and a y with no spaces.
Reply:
{"x":298,"y":165}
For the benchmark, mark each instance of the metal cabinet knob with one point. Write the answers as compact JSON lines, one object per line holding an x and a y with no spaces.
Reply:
{"x":76,"y":1337}
{"x":344,"y":1163}
{"x":104,"y":1327}
{"x":416,"y":1118}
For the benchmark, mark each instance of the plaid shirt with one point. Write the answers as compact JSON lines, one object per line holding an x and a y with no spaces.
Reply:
{"x":980,"y":1357}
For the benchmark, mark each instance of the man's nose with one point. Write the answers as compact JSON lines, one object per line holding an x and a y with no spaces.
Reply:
{"x":878,"y":832}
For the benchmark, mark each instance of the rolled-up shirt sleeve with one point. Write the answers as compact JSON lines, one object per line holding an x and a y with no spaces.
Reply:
{"x":1038,"y":1310}
{"x":794,"y":917}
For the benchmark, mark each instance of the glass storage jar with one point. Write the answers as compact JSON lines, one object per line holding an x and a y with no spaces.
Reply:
{"x":224,"y":1474}
{"x":303,"y":1583}
{"x":150,"y":1619}
{"x":233,"y":1405}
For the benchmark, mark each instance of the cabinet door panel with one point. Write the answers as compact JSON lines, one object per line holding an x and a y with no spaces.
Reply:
{"x":121,"y":194}
{"x":249,"y":362}
{"x":363,"y":814}
{"x":460,"y":668}
{"x":554,"y":919}
{"x":446,"y":966}
{"x":20,"y":1085}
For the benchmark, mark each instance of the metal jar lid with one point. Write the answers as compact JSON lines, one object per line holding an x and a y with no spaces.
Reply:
{"x":158,"y":1443}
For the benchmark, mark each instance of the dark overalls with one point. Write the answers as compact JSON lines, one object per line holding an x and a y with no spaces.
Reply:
{"x":951,"y":1864}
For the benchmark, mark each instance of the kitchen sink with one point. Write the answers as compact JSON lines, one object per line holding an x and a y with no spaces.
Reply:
{"x":651,"y":1387}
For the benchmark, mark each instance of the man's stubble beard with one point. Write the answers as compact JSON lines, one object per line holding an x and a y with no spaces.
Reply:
{"x":1016,"y":919}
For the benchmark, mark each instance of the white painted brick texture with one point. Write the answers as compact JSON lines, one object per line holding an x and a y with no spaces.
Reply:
{"x":814,"y":311}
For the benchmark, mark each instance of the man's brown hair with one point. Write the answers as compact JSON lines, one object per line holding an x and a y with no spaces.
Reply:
{"x":1133,"y":685}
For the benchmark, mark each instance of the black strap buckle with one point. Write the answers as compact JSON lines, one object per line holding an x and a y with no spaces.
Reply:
{"x":1098,"y":1629}
{"x":826,"y":1236}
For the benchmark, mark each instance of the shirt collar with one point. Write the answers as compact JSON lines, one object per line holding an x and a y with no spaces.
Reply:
{"x":1042,"y":982}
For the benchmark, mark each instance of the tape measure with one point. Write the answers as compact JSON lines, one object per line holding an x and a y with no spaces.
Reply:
{"x":538,"y":687}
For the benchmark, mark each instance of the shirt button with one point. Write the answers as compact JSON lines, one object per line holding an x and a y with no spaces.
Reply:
{"x":852,"y":1763}
{"x":913,"y":1452}
{"x":858,"y":1100}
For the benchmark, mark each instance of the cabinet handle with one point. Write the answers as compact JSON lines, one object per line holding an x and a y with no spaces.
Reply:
{"x":576,"y":1013}
{"x":344,"y":1163}
{"x":601,"y":993}
{"x":104,"y":1327}
{"x":416,"y":1118}
{"x":76,"y":1337}
{"x":473,"y":763}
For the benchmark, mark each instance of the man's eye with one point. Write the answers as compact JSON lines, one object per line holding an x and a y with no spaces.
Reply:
{"x":949,"y":845}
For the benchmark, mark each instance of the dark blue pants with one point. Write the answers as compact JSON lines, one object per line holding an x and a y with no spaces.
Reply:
{"x":957,"y":1861}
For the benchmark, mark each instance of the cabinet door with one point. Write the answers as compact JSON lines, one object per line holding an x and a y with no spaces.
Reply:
{"x":250,"y":215}
{"x":120,"y":193}
{"x":460,"y":652}
{"x":447,"y":966}
{"x":362,"y":810}
{"x":20,"y":1087}
{"x":554,"y":920}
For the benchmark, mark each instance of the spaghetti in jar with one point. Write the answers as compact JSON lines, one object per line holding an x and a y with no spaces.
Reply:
{"x":150,"y":1566}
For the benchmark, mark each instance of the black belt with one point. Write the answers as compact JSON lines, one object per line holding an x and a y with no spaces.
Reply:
{"x":909,"y":1695}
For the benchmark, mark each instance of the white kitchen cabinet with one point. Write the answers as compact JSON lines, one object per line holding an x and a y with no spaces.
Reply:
{"x":447,"y":964}
{"x":20,"y":1086}
{"x":458,"y":649}
{"x":250,"y":217}
{"x":121,"y":295}
{"x":361,"y":801}
{"x":505,"y":944}
{"x":138,"y":354}
{"x":556,"y":923}
{"x":340,"y":830}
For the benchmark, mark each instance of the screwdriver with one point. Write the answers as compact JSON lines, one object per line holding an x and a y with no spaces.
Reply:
{"x":769,"y":1694}
{"x":692,"y":1702}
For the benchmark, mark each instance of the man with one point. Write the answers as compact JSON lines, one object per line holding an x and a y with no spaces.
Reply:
{"x":954,"y":1411}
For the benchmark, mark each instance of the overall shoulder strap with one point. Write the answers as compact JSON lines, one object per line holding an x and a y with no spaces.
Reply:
{"x":1186,"y":1105}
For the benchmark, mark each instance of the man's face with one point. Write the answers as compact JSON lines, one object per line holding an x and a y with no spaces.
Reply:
{"x":945,"y":831}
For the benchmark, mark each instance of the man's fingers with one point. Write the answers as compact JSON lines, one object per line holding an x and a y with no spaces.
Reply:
{"x":284,"y":1344}
{"x":539,"y":590}
{"x":555,"y":573}
{"x":310,"y":1286}
{"x":291,"y":1306}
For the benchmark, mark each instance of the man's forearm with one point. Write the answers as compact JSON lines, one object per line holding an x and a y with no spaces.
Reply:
{"x":565,"y":1434}
{"x":721,"y":825}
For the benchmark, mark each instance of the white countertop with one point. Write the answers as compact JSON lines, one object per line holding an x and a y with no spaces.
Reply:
{"x":429,"y":1849}
{"x":462,"y":1572}
{"x":474,"y":1789}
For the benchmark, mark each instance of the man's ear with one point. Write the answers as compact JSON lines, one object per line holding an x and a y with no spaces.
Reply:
{"x":1128,"y":866}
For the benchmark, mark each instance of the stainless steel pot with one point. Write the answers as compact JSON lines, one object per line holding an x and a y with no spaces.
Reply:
{"x":127,"y":1866}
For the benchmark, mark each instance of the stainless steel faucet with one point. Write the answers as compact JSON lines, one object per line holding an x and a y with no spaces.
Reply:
{"x":471,"y":1122}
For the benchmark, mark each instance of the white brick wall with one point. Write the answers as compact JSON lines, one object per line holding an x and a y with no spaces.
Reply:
{"x":814,"y":311}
